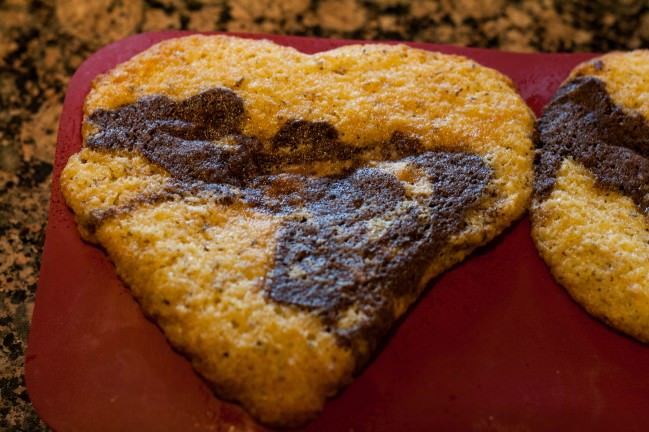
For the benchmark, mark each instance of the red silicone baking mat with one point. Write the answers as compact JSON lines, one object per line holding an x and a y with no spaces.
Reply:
{"x":494,"y":344}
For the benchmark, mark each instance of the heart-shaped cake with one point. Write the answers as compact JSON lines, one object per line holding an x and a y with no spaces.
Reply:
{"x":275,"y":213}
{"x":590,"y":214}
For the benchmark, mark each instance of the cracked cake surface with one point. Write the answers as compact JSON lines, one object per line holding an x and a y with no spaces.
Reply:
{"x":275,"y":213}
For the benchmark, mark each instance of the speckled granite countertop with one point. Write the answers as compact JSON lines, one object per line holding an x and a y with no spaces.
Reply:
{"x":42,"y":42}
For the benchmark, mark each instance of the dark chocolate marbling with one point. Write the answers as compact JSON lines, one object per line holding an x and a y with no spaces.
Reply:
{"x":582,"y":122}
{"x":327,"y":257}
{"x":42,"y":42}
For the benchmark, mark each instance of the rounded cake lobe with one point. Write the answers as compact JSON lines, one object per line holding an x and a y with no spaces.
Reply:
{"x":590,"y":209}
{"x":196,"y":245}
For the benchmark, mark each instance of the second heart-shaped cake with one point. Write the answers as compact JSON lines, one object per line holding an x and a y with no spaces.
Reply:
{"x":590,"y":212}
{"x":275,"y":213}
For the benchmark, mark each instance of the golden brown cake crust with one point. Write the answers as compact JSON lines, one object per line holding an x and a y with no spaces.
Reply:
{"x":276,"y":212}
{"x":591,"y":202}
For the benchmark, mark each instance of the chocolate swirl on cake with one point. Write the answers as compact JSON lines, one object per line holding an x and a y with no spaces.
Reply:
{"x":582,"y":122}
{"x":327,"y":258}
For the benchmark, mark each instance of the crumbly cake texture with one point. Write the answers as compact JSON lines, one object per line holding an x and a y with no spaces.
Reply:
{"x":276,"y":249}
{"x":590,"y":208}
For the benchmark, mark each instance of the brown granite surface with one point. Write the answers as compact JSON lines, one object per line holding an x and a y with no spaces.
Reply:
{"x":43,"y":42}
